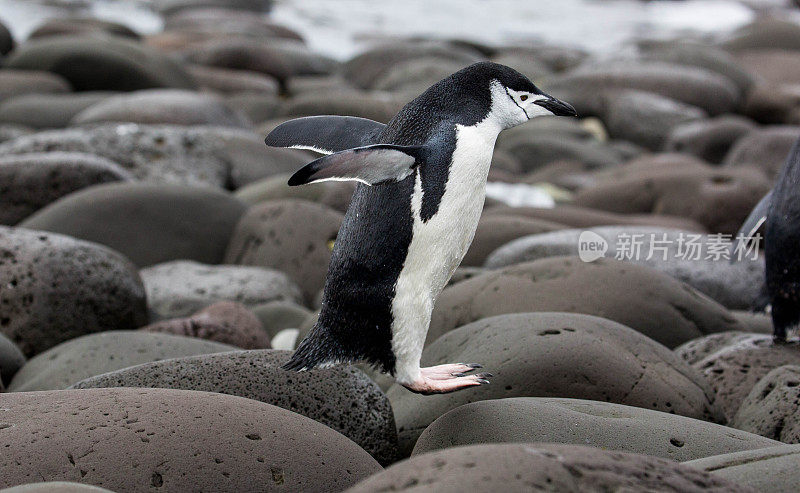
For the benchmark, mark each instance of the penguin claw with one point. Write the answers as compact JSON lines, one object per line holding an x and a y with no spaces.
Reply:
{"x":447,"y":378}
{"x":473,"y":365}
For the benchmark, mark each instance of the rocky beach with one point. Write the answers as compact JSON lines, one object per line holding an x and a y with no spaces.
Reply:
{"x":156,"y":270}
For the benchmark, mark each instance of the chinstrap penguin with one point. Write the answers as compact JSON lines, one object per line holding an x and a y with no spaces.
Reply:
{"x":779,"y":212}
{"x":411,"y":219}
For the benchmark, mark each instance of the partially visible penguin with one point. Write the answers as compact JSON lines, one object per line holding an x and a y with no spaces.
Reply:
{"x":779,"y":212}
{"x":411,"y":219}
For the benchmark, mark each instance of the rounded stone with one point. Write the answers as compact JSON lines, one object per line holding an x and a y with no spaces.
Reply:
{"x":293,"y":236}
{"x":165,"y":154}
{"x":704,"y":262}
{"x":343,"y":397}
{"x":571,"y":355}
{"x":771,"y":408}
{"x":19,"y":82}
{"x":775,"y":66}
{"x":278,"y":315}
{"x":95,"y":354}
{"x":585,"y":86}
{"x":181,"y":440}
{"x":641,"y":298}
{"x":541,"y":467}
{"x":42,"y":111}
{"x":11,"y":360}
{"x":149,"y":224}
{"x":83,"y":26}
{"x":719,"y":199}
{"x":645,"y":118}
{"x":772,"y":104}
{"x":735,"y":368}
{"x":765,"y":32}
{"x":165,"y":106}
{"x":6,"y":40}
{"x":710,"y":139}
{"x":415,"y":75}
{"x":697,"y":349}
{"x":534,"y":152}
{"x":257,"y":106}
{"x":56,"y":288}
{"x":334,"y":194}
{"x":97,"y":64}
{"x":29,"y":182}
{"x":180,"y":288}
{"x":229,"y":81}
{"x":55,"y":487}
{"x":226,"y":322}
{"x":765,"y":149}
{"x":605,"y":425}
{"x":376,"y":106}
{"x":772,"y":469}
{"x":495,"y":231}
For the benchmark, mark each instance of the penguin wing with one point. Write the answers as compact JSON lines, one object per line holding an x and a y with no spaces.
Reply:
{"x":754,"y":221}
{"x":325,"y":134}
{"x":369,"y":165}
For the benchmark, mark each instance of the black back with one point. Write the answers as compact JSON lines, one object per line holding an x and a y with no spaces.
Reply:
{"x":782,"y":245}
{"x":370,"y":250}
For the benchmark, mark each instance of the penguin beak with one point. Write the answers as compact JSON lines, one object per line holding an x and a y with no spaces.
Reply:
{"x":556,"y":106}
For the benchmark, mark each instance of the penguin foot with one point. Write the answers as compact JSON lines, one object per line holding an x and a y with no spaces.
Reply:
{"x":442,"y":379}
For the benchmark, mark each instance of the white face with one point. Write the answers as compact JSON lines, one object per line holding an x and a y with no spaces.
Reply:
{"x":512,"y":108}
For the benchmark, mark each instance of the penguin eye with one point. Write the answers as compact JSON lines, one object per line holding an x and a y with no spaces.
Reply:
{"x":524,"y":97}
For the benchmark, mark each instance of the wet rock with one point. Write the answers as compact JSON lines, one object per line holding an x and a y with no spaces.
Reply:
{"x":41,"y":111}
{"x":701,"y":261}
{"x":376,"y":106}
{"x":541,"y":467}
{"x":180,"y":288}
{"x":82,"y":26}
{"x":106,"y":64}
{"x":584,"y":217}
{"x":149,"y":224}
{"x":771,"y":407}
{"x":162,"y":106}
{"x":182,"y":441}
{"x":644,"y":299}
{"x":572,"y":355}
{"x":646,"y":118}
{"x":495,"y":231}
{"x":366,"y":68}
{"x":96,"y":354}
{"x":586,"y":86}
{"x":765,"y":149}
{"x":11,"y":360}
{"x":770,"y":469}
{"x":279,"y":59}
{"x":334,"y":194}
{"x":226,"y":322}
{"x":604,"y":425}
{"x":709,"y":140}
{"x":20,"y":82}
{"x":293,"y":236}
{"x":159,"y":153}
{"x":29,"y":182}
{"x":229,"y":81}
{"x":735,"y":368}
{"x":56,"y":288}
{"x":342,"y":398}
{"x":276,"y":316}
{"x":719,"y":199}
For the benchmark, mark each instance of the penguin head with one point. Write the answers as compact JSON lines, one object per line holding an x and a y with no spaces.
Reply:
{"x":515,"y":99}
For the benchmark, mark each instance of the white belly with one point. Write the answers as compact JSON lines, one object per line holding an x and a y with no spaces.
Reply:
{"x":438,"y":245}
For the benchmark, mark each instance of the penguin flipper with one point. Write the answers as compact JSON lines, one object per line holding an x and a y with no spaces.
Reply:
{"x":754,"y":221}
{"x":325,"y":134}
{"x":369,"y":165}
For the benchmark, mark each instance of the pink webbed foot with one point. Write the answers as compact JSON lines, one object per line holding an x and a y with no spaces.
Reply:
{"x":442,"y":379}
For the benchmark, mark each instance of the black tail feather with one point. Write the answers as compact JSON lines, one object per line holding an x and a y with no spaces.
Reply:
{"x":316,"y":349}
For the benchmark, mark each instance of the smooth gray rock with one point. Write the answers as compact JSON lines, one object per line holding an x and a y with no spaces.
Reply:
{"x":541,"y":467}
{"x":44,"y":111}
{"x":11,"y":360}
{"x":605,"y":425}
{"x":771,"y":408}
{"x":378,"y":106}
{"x":55,"y":487}
{"x":55,"y":288}
{"x":735,"y":285}
{"x":180,"y":288}
{"x":95,"y":354}
{"x":648,"y":301}
{"x":343,"y":398}
{"x":181,"y":441}
{"x":278,"y":315}
{"x":765,"y":149}
{"x":698,"y":349}
{"x":767,"y":470}
{"x":571,"y":355}
{"x":148,"y":223}
{"x":709,"y":139}
{"x":29,"y":182}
